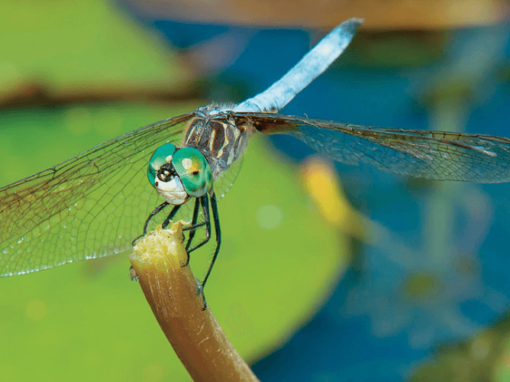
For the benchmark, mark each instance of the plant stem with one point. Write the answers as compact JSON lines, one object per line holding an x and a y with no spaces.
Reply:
{"x":171,"y":290}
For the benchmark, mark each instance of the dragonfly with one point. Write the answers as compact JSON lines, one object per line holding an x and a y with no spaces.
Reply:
{"x":95,"y":203}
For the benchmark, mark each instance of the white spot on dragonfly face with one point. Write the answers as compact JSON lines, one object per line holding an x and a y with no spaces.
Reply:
{"x":269,"y":216}
{"x":187,"y":163}
{"x":173,"y":191}
{"x":168,"y":159}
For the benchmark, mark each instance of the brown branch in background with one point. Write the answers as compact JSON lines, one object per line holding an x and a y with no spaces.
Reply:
{"x":171,"y":291}
{"x":388,"y":14}
{"x":37,"y":94}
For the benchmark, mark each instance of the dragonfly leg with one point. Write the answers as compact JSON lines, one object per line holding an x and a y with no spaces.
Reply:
{"x":170,"y":216}
{"x":214,"y":207}
{"x":204,"y":201}
{"x":156,"y":211}
{"x":193,"y":224}
{"x":191,"y":227}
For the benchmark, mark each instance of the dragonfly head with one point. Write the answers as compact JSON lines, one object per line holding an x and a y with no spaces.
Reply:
{"x":178,"y":174}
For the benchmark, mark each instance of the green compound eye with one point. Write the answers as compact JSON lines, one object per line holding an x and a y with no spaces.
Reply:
{"x":193,"y":170}
{"x":161,"y":156}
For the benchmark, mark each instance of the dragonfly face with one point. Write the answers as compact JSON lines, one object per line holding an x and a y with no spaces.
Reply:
{"x":178,"y":174}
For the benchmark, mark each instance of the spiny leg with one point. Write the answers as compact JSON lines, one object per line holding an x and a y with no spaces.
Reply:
{"x":204,"y":200}
{"x":217,"y":229}
{"x":193,"y":223}
{"x":171,"y":215}
{"x":156,"y":211}
{"x":192,"y":227}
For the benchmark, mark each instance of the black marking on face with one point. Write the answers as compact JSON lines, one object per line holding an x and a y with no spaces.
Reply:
{"x":166,"y":173}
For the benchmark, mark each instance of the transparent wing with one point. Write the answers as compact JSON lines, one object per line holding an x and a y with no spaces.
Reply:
{"x":227,"y":179}
{"x":423,"y":154}
{"x":91,"y":205}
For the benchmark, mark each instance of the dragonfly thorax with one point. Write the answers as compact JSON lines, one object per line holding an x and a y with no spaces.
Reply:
{"x":218,"y":135}
{"x":178,"y":174}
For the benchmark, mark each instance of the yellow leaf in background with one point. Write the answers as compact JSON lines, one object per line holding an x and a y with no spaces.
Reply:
{"x":324,"y":187}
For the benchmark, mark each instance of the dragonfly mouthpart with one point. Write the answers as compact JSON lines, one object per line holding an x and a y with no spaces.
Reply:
{"x":173,"y":191}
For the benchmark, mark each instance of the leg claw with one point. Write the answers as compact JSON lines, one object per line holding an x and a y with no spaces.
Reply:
{"x":200,"y":291}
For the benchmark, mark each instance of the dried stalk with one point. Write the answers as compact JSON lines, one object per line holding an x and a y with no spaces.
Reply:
{"x":171,"y":290}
